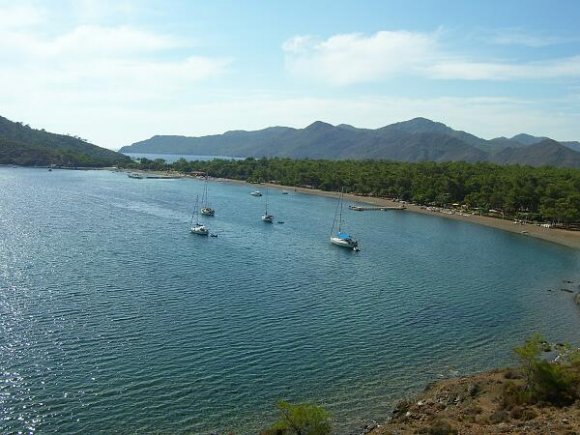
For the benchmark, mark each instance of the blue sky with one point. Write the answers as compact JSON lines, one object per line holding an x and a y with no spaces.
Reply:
{"x":115,"y":72}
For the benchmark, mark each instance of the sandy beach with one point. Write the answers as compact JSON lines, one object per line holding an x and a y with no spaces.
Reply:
{"x":570,"y":239}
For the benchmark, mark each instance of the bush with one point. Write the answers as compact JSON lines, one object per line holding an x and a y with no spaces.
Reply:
{"x":440,"y":427}
{"x":529,"y":414}
{"x":513,"y":395}
{"x":555,"y":383}
{"x":499,"y":417}
{"x":300,"y":419}
{"x":517,"y":412}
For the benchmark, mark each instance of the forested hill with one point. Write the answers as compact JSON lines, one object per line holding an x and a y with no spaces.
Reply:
{"x":23,"y":145}
{"x":416,"y":140}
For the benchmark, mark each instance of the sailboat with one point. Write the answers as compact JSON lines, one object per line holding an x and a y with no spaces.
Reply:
{"x":341,"y":238}
{"x":266,"y":217}
{"x":206,"y":210}
{"x":197,"y":227}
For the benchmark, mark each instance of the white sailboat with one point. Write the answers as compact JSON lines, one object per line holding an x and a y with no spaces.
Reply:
{"x":266,"y":217}
{"x":206,"y":210}
{"x":196,"y":226}
{"x":339,"y":237}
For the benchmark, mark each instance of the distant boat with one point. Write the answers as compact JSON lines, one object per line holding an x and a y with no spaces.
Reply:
{"x":136,"y":175}
{"x":266,"y":217}
{"x":341,"y":238}
{"x":256,"y":193}
{"x":197,"y":227}
{"x":284,"y":192}
{"x":206,"y":210}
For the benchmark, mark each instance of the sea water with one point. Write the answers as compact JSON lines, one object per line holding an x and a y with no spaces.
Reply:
{"x":114,"y":318}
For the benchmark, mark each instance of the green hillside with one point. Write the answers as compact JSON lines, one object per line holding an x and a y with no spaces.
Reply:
{"x":416,"y":140}
{"x":23,"y":145}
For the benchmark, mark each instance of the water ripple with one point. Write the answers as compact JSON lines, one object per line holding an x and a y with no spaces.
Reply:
{"x":114,"y":318}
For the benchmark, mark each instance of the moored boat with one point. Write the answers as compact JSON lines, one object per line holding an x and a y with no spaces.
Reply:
{"x":340,"y":237}
{"x":206,"y":210}
{"x":267,"y":217}
{"x":197,"y":227}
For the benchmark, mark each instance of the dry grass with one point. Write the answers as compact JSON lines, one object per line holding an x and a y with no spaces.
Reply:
{"x":478,"y":405}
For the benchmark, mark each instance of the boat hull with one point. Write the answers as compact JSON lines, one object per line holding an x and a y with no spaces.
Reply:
{"x":200,"y":230}
{"x":345,"y":243}
{"x":208,"y":211}
{"x":268,"y":218}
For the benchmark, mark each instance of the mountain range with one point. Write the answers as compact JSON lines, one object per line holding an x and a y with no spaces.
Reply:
{"x":416,"y":140}
{"x":23,"y":145}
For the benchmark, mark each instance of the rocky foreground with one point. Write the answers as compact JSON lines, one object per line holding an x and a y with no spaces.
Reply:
{"x":477,"y":405}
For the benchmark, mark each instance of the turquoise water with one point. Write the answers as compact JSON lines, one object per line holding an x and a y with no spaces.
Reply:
{"x":170,"y":158}
{"x":114,"y":318}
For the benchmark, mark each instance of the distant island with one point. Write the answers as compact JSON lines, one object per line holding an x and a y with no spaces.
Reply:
{"x":26,"y":146}
{"x":416,"y":140}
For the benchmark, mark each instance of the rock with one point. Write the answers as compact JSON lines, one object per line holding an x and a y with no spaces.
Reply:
{"x":368,"y":428}
{"x":472,"y":390}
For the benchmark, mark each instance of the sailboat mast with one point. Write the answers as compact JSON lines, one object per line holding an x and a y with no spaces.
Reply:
{"x":194,"y":214}
{"x":340,"y":213}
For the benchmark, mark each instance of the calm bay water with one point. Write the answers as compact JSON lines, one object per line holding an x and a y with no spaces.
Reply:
{"x":170,"y":158}
{"x":114,"y":318}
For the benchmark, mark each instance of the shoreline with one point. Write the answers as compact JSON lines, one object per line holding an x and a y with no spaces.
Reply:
{"x":570,"y":239}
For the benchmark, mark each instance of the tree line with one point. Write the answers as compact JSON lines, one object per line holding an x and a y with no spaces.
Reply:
{"x":543,"y":194}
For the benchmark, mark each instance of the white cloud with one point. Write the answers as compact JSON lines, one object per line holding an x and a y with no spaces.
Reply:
{"x":91,"y":63}
{"x":85,"y":42}
{"x":463,"y":70}
{"x":96,"y":41}
{"x":20,"y":16}
{"x":517,"y":36}
{"x":353,"y":58}
{"x":96,"y":11}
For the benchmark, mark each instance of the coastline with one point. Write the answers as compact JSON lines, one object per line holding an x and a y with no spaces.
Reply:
{"x":473,"y":405}
{"x":570,"y":239}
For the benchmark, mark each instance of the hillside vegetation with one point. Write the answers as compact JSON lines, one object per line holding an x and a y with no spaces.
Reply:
{"x":22,"y":145}
{"x":417,"y":140}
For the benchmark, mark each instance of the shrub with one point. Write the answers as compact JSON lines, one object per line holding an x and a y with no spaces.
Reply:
{"x":441,"y":427}
{"x":438,"y":427}
{"x":556,"y":383}
{"x":529,"y":414}
{"x":499,"y":417}
{"x":516,"y":412}
{"x":300,"y":419}
{"x":528,"y":355}
{"x":553,"y":383}
{"x":513,"y":395}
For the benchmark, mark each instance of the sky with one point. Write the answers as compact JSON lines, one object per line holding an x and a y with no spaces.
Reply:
{"x":115,"y":72}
